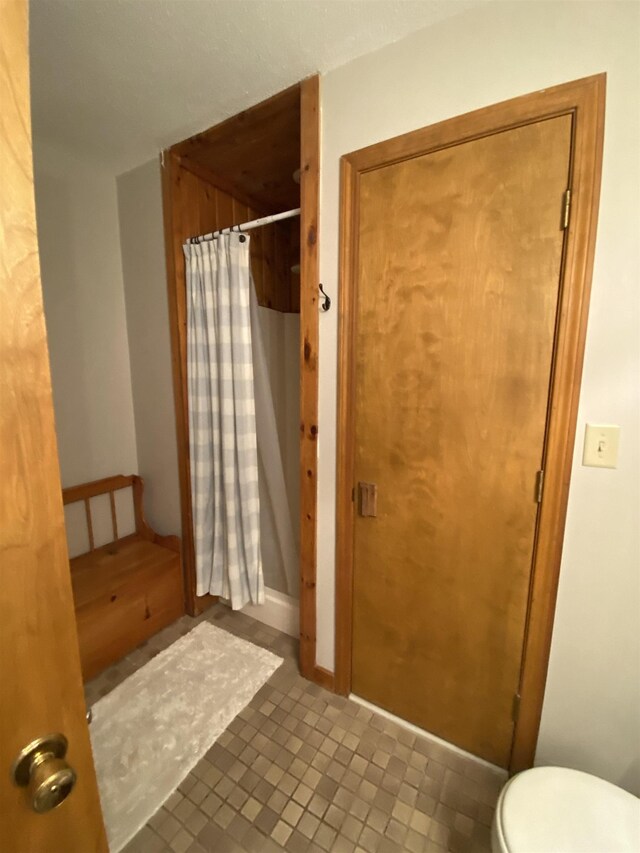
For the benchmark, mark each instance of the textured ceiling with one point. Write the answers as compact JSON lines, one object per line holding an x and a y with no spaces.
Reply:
{"x":119,"y":79}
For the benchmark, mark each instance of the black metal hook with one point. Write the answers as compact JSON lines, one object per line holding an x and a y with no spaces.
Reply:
{"x":325,"y":303}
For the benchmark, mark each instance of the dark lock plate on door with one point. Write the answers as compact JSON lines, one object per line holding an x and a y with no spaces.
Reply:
{"x":368,"y":499}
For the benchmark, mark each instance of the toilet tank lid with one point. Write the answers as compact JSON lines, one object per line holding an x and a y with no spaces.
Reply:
{"x":554,"y":808}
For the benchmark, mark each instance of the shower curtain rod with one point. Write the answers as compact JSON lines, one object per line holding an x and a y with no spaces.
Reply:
{"x":247,"y":226}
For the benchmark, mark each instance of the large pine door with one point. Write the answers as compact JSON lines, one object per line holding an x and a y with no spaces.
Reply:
{"x":40,"y":682}
{"x":458,"y":268}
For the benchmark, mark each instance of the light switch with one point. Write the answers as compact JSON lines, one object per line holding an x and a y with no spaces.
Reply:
{"x":601,"y":446}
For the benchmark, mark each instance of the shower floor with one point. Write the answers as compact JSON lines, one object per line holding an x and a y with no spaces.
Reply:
{"x":301,"y":769}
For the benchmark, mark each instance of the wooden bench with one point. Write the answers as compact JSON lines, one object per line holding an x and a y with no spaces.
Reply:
{"x":126,"y":590}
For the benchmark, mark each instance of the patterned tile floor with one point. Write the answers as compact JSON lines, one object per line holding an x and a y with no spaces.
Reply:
{"x":301,"y":770}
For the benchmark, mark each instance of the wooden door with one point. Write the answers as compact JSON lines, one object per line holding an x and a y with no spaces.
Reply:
{"x":458,"y":265}
{"x":39,"y":660}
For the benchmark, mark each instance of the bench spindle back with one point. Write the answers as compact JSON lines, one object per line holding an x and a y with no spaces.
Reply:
{"x":110,"y":485}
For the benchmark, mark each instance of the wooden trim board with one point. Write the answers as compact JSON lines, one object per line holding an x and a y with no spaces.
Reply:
{"x":323,"y":677}
{"x":584,"y":100}
{"x":309,"y":335}
{"x":345,"y":439}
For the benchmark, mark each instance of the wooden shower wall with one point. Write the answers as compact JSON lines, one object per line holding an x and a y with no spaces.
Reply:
{"x":275,"y":248}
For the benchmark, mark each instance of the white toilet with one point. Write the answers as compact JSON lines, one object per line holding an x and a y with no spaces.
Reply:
{"x":556,"y":810}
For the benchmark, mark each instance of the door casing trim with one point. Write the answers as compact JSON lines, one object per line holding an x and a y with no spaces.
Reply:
{"x":585,"y":100}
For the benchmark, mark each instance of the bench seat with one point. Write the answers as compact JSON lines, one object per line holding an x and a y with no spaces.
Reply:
{"x":124,"y":592}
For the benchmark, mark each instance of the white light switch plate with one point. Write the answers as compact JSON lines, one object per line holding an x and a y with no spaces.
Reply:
{"x":601,"y":446}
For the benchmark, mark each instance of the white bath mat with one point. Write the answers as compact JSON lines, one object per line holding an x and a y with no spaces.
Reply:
{"x":150,"y":731}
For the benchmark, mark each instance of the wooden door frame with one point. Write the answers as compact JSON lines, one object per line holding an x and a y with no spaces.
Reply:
{"x":309,"y":334}
{"x":584,"y":100}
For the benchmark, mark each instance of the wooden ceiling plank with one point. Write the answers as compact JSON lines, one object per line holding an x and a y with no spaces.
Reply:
{"x":253,"y":154}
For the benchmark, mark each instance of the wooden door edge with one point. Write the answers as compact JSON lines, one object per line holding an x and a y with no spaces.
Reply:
{"x":309,"y":345}
{"x":585,"y":100}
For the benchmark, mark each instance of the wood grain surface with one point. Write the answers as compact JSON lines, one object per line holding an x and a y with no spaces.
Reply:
{"x":459,"y":262}
{"x":309,"y":354}
{"x":257,"y":150}
{"x":39,"y":660}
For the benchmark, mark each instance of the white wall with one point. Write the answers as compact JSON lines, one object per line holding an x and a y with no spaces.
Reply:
{"x":85,"y":315}
{"x":591,"y":710}
{"x":145,"y":287}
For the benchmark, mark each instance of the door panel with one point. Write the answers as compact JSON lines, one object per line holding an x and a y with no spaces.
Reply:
{"x":458,"y":267}
{"x":39,"y":660}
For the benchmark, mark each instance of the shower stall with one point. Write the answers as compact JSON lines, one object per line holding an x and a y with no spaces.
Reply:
{"x":246,"y":169}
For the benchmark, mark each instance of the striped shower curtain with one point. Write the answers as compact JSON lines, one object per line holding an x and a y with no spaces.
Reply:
{"x":222,"y":423}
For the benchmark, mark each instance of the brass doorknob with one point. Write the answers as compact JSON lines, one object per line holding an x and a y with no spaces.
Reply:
{"x":41,"y":769}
